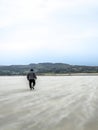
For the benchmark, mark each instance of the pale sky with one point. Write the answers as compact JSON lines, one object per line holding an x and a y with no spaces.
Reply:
{"x":34,"y":31}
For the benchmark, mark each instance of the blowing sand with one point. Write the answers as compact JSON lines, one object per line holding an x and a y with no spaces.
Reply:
{"x":57,"y":103}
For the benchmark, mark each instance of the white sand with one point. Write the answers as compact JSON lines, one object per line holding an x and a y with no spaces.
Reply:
{"x":57,"y":103}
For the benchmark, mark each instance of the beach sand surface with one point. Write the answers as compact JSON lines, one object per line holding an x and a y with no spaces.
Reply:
{"x":57,"y":103}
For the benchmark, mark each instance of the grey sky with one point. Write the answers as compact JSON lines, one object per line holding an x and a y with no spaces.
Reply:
{"x":49,"y":31}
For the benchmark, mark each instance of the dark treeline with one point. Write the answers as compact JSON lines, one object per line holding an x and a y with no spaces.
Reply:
{"x":47,"y":68}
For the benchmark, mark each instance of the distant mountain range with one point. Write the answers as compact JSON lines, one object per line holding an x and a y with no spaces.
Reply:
{"x":47,"y":68}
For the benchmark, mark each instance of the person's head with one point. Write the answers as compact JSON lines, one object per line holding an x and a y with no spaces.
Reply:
{"x":31,"y":70}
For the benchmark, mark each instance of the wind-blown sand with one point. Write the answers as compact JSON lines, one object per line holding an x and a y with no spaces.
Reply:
{"x":57,"y":103}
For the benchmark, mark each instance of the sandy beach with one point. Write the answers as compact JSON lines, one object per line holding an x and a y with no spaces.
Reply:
{"x":57,"y":103}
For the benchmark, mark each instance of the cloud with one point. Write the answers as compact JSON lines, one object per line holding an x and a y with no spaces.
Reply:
{"x":48,"y":27}
{"x":13,"y":12}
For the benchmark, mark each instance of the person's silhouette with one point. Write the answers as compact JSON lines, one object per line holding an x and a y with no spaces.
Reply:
{"x":31,"y":76}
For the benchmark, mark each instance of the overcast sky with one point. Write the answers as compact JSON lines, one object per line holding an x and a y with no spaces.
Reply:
{"x":33,"y":31}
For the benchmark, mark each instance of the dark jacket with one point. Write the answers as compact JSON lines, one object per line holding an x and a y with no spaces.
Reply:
{"x":31,"y":75}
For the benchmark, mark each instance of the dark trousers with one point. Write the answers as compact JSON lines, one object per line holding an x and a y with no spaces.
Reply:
{"x":30,"y":83}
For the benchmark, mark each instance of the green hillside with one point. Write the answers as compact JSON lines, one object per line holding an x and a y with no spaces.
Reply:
{"x":47,"y":68}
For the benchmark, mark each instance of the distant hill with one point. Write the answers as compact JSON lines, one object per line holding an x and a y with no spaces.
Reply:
{"x":47,"y":68}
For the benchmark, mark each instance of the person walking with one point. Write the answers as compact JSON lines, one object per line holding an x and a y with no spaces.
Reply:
{"x":31,"y":76}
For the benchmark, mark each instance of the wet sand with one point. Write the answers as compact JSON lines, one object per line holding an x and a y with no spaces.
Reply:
{"x":57,"y":103}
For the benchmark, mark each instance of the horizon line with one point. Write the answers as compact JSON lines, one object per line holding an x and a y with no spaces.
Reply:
{"x":47,"y":63}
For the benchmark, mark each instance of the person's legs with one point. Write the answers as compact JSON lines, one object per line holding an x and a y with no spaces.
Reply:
{"x":30,"y":84}
{"x":33,"y":83}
